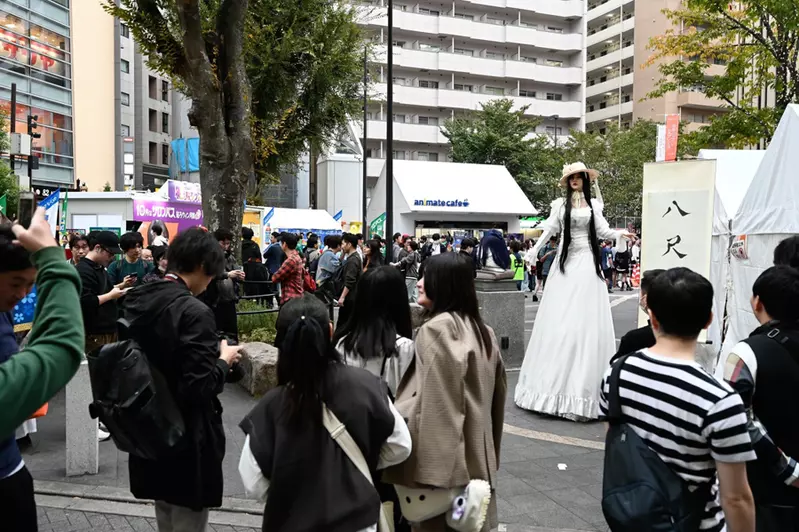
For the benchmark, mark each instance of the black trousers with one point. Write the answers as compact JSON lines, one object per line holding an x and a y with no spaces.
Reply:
{"x":17,"y":505}
{"x":776,"y":518}
{"x":226,"y":321}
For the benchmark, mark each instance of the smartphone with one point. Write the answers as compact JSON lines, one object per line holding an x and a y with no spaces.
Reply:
{"x":25,"y":208}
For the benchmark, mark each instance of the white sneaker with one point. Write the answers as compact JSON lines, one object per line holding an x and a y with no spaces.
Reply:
{"x":103,"y":435}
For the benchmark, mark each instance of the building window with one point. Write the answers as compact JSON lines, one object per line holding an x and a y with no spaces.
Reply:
{"x":494,"y":55}
{"x":555,"y":96}
{"x":165,"y":154}
{"x":165,"y":122}
{"x":400,"y":119}
{"x":525,"y":93}
{"x":125,"y":130}
{"x":165,"y":91}
{"x":399,"y":155}
{"x":462,"y":87}
{"x":153,"y":153}
{"x":429,"y":47}
{"x":552,"y":130}
{"x":399,"y":81}
{"x":125,"y":66}
{"x":428,"y":120}
{"x":400,"y":7}
{"x":427,"y":156}
{"x":400,"y":44}
{"x":496,"y":91}
{"x":464,"y":51}
{"x":464,"y":16}
{"x":554,"y":63}
{"x":495,"y":21}
{"x":425,"y":11}
{"x":125,"y":99}
{"x":124,"y":31}
{"x":152,"y":119}
{"x":152,"y":85}
{"x":426,"y":84}
{"x":554,"y":29}
{"x":528,"y":59}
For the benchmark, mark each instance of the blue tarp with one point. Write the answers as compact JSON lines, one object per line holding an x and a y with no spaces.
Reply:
{"x":186,"y":153}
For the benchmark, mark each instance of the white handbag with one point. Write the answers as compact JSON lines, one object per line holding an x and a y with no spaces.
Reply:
{"x":342,"y":437}
{"x":466,"y":508}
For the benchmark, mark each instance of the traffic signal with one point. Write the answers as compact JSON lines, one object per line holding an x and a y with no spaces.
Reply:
{"x":32,"y":125}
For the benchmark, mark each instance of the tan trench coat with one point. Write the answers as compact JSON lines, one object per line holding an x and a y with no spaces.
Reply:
{"x":453,"y":399}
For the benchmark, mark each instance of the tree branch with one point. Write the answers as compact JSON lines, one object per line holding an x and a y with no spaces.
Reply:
{"x":199,"y":76}
{"x":755,"y":35}
{"x":765,"y":127}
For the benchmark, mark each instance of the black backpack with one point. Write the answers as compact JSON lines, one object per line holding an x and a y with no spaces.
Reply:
{"x":639,"y":490}
{"x":132,"y":399}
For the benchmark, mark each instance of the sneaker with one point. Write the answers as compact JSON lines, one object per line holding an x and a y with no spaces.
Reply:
{"x":103,"y":435}
{"x":535,"y":299}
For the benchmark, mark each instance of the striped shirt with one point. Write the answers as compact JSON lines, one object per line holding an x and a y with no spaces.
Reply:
{"x":689,"y":418}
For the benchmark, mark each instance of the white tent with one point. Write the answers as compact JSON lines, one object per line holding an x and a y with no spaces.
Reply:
{"x":769,"y":212}
{"x":301,"y":220}
{"x":735,"y":170}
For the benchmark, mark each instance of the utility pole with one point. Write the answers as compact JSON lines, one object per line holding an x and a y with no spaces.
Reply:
{"x":13,"y":123}
{"x":364,"y":218}
{"x":389,"y":224}
{"x":33,"y":161}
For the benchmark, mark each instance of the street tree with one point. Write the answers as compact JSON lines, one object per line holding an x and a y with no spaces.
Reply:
{"x":757,"y":41}
{"x":498,"y":134}
{"x":265,"y":78}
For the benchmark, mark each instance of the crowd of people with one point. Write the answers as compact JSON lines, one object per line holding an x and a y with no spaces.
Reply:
{"x":381,"y":425}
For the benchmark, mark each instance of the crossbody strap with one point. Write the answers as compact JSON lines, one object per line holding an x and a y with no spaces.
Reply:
{"x":342,"y":437}
{"x":614,"y":398}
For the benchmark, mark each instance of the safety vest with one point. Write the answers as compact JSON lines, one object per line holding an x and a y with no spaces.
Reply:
{"x":518,"y":268}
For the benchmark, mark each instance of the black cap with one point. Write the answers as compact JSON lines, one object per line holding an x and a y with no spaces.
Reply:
{"x":109,"y":241}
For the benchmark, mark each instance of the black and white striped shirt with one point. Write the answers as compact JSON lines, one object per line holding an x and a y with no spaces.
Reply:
{"x":688,"y":417}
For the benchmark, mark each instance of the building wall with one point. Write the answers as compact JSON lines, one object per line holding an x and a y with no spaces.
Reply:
{"x":94,"y":94}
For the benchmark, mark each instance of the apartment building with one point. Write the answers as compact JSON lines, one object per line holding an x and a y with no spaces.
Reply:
{"x":150,"y":115}
{"x":59,"y":53}
{"x":449,"y":57}
{"x":617,"y":38}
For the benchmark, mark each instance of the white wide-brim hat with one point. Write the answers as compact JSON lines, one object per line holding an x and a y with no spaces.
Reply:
{"x":577,"y":168}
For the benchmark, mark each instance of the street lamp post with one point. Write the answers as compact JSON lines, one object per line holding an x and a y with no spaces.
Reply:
{"x":389,"y":223}
{"x":365,"y":138}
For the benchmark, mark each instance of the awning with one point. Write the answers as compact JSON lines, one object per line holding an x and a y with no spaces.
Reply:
{"x":459,"y":188}
{"x":301,"y":220}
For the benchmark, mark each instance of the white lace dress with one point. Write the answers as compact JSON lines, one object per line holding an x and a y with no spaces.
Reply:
{"x":573,"y":338}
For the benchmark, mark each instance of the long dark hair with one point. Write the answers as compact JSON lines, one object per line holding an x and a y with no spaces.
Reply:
{"x":380,"y":312}
{"x":449,"y":284}
{"x":375,"y":258}
{"x":305,"y":355}
{"x":567,"y":226}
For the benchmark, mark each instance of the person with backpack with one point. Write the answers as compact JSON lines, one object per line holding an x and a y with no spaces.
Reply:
{"x":131,"y":264}
{"x":764,"y":370}
{"x":678,"y":442}
{"x":622,"y":263}
{"x":177,"y":332}
{"x":291,"y":272}
{"x":408,"y":265}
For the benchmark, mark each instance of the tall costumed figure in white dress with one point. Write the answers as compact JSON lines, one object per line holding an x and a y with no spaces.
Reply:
{"x":573,"y":338}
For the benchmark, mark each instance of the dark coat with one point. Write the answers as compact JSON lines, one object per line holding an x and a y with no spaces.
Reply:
{"x":634,"y":341}
{"x":177,"y":331}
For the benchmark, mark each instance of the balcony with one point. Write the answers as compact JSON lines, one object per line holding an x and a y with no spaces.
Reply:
{"x":475,"y":30}
{"x":480,"y":66}
{"x":611,"y":58}
{"x":453,"y":99}
{"x":602,"y":9}
{"x":612,"y":31}
{"x":697,"y":100}
{"x":407,"y":132}
{"x":610,"y":112}
{"x":609,"y":85}
{"x":560,"y":8}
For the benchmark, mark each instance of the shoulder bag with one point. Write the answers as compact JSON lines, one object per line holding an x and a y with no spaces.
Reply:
{"x":342,"y":437}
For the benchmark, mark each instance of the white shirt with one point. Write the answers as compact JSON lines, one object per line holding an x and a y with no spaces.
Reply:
{"x":160,"y":240}
{"x":395,"y":450}
{"x":395,"y":366}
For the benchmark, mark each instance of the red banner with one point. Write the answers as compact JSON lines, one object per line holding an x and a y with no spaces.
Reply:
{"x":672,"y":134}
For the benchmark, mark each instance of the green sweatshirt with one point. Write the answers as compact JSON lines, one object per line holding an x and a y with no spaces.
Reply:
{"x":55,"y":347}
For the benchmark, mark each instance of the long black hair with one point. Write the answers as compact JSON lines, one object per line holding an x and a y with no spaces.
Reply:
{"x":375,"y":258}
{"x":567,"y":226}
{"x":449,"y":285}
{"x":380,"y":312}
{"x":305,"y":355}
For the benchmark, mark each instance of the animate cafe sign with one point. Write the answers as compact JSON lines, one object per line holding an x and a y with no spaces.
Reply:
{"x":456,"y":204}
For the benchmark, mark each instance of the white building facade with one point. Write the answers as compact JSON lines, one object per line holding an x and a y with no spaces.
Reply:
{"x":451,"y":57}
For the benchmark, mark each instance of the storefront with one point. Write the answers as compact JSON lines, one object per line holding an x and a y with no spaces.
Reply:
{"x":452,"y":198}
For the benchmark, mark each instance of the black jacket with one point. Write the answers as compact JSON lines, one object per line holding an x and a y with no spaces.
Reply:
{"x":94,"y":280}
{"x":634,"y":341}
{"x":250,"y":252}
{"x":314,"y":487}
{"x":178,"y":333}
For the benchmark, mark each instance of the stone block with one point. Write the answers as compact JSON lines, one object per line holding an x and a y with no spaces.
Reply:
{"x":259,"y":364}
{"x":502,"y":307}
{"x":82,"y":447}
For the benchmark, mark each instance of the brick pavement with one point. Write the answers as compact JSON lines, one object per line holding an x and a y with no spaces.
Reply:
{"x":58,"y":520}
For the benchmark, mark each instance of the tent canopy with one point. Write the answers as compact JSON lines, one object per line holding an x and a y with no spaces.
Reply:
{"x":771,"y":204}
{"x":735,"y":170}
{"x":460,"y":188}
{"x":302,"y":220}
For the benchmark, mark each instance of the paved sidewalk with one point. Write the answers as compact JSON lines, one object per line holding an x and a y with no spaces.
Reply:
{"x":550,"y":479}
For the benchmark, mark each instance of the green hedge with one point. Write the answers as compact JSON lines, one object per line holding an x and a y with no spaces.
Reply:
{"x":256,"y":327}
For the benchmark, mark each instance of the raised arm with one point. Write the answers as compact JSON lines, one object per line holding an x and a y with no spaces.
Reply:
{"x":603,"y":229}
{"x":551,"y":227}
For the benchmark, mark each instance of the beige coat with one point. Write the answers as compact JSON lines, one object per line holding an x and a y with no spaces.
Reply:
{"x":453,"y":399}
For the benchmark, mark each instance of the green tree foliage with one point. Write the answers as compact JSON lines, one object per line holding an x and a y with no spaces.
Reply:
{"x":758,"y":40}
{"x":499,"y":135}
{"x":9,"y":183}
